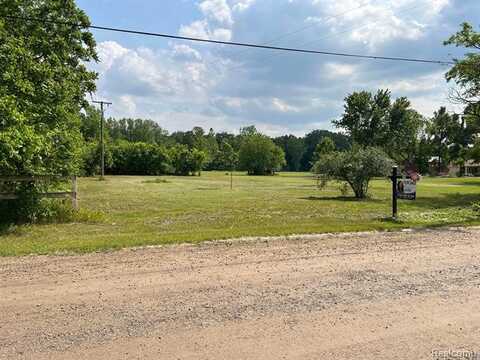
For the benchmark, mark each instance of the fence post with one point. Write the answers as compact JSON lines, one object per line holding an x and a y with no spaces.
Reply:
{"x":74,"y":192}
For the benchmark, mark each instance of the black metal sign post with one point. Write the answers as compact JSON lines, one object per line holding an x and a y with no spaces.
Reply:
{"x":394,"y":178}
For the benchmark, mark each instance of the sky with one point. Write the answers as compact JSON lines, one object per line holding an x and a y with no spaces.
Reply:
{"x":181,"y":84}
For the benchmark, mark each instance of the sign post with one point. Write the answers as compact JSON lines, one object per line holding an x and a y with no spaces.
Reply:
{"x":394,"y":192}
{"x":405,"y":188}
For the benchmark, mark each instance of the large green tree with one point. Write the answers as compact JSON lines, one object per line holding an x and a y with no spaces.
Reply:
{"x":43,"y":83}
{"x":466,"y":75}
{"x":259,"y":155}
{"x":375,"y":120}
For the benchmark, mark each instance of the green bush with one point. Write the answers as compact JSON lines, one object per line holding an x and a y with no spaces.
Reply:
{"x":187,"y":161}
{"x":355,"y":167}
{"x":260,"y":156}
{"x":139,"y":159}
{"x":91,"y":159}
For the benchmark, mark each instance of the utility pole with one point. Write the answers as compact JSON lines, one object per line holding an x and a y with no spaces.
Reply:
{"x":102,"y":137}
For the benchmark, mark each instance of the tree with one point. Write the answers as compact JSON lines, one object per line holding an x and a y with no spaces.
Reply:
{"x":444,"y":133}
{"x":466,"y":72}
{"x":373,"y":120}
{"x":90,"y":123}
{"x":466,"y":75}
{"x":312,"y":139}
{"x":43,"y":84}
{"x":137,"y":130}
{"x":187,"y":161}
{"x":260,"y":156}
{"x":326,"y":146}
{"x":227,"y":157}
{"x":357,"y":167}
{"x":294,"y":149}
{"x":365,"y":117}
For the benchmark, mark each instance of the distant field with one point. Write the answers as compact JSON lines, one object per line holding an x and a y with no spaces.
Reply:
{"x":163,"y":210}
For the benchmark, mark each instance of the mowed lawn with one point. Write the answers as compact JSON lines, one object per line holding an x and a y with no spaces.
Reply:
{"x":140,"y":211}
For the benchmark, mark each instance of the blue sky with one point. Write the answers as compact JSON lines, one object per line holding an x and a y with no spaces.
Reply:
{"x":181,"y":84}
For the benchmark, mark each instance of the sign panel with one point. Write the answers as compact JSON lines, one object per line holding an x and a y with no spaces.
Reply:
{"x":407,"y":189}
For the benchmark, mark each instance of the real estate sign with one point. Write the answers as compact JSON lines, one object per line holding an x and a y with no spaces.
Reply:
{"x":407,"y":189}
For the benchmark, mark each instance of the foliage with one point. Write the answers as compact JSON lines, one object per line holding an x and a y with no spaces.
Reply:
{"x":136,"y":130}
{"x":357,"y":167}
{"x":294,"y":149}
{"x":139,"y":159}
{"x":448,"y":138}
{"x":326,"y":146}
{"x":43,"y":84}
{"x":91,"y":158}
{"x":466,"y":75}
{"x":312,"y":139}
{"x":226,"y":157}
{"x":259,"y":155}
{"x":90,"y":124}
{"x":466,"y":72}
{"x":187,"y":161}
{"x":373,"y":120}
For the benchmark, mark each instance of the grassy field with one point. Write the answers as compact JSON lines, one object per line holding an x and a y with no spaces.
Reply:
{"x":152,"y":210}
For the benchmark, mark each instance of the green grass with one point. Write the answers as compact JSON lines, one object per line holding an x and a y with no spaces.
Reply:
{"x":151,"y":211}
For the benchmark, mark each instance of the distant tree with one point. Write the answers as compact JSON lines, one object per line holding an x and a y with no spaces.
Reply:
{"x":129,"y":158}
{"x":405,"y":126}
{"x":312,"y":139}
{"x":90,"y":123}
{"x":187,"y":161}
{"x":326,"y":146}
{"x":260,"y":156}
{"x":445,"y":133}
{"x":248,"y":131}
{"x":294,"y":149}
{"x":227,"y":157}
{"x":356,"y":167}
{"x":137,"y":130}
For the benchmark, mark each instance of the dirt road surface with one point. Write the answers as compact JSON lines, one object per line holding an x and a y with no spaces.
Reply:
{"x":353,"y":296}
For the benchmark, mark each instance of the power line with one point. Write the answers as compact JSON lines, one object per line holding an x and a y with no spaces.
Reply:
{"x":306,"y":27}
{"x":232,"y":43}
{"x":346,"y":30}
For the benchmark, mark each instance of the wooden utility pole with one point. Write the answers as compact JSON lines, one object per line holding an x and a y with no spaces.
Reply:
{"x":102,"y":136}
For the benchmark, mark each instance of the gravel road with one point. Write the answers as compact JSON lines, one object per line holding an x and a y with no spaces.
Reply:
{"x":362,"y":296}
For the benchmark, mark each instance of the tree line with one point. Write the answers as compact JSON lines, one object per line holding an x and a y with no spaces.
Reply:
{"x":142,"y":147}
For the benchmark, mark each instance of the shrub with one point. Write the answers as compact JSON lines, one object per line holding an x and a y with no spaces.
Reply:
{"x":260,"y":156}
{"x":91,"y":157}
{"x":187,"y":161}
{"x":355,"y":167}
{"x":139,"y":159}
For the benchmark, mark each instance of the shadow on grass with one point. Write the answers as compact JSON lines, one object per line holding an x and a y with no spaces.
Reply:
{"x":469,"y":183}
{"x":7,"y":228}
{"x":340,"y":198}
{"x":447,"y":201}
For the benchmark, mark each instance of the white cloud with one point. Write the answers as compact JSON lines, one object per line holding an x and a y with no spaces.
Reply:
{"x":242,"y":5}
{"x":376,"y":22}
{"x":201,"y":29}
{"x":217,"y":10}
{"x":282,"y":106}
{"x":187,"y":84}
{"x":335,"y":70}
